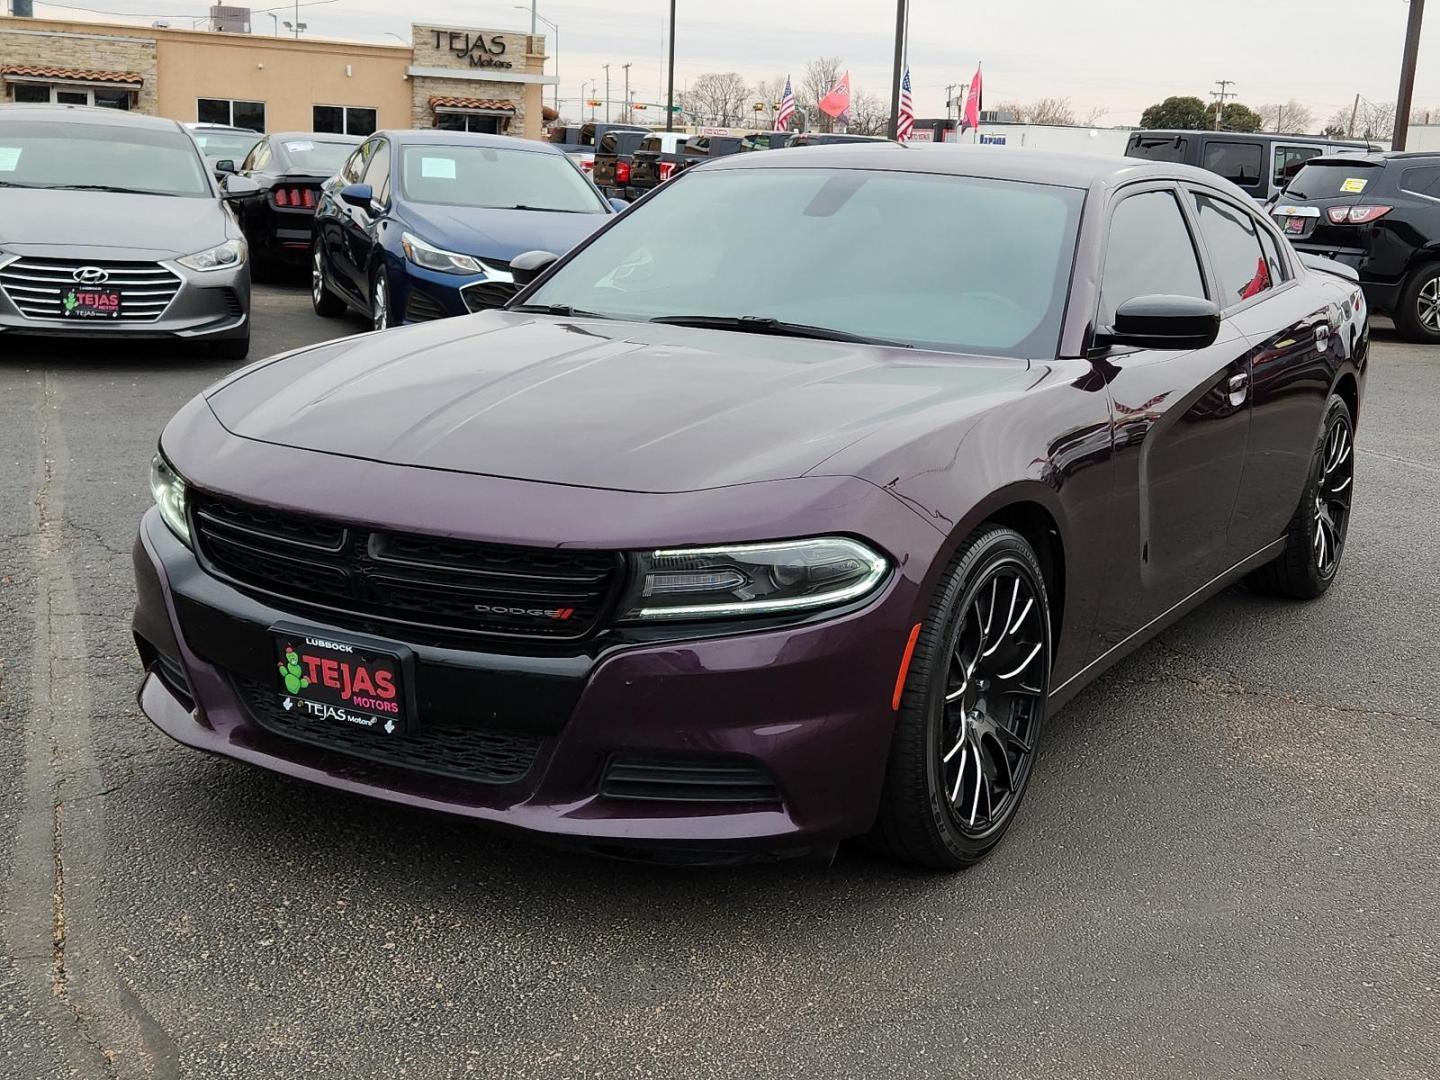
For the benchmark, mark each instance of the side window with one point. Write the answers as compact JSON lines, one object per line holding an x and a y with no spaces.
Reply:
{"x":1238,"y":162}
{"x":1149,"y":253}
{"x":1274,"y":260}
{"x":1230,"y":236}
{"x":377,"y":174}
{"x":1424,"y":181}
{"x":1288,"y":160}
{"x":353,"y":167}
{"x":257,"y":158}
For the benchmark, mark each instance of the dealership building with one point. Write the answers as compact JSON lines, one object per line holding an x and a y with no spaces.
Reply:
{"x":456,"y":78}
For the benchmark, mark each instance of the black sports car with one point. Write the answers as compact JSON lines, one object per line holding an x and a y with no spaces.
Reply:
{"x":290,"y":168}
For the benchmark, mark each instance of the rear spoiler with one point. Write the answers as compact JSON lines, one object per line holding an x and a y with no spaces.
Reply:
{"x":1330,"y":266}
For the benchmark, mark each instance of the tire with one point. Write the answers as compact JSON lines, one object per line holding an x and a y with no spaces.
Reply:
{"x":929,"y":814}
{"x":1417,"y":312}
{"x":327,"y":305}
{"x":379,"y":299}
{"x":1315,"y":537}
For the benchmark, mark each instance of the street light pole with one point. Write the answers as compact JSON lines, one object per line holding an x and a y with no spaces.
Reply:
{"x":627,"y":92}
{"x":900,"y":16}
{"x":607,"y":92}
{"x":670,"y":83}
{"x":555,"y":27}
{"x":1407,"y":75}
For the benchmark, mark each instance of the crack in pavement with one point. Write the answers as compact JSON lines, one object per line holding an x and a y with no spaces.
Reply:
{"x":59,"y":859}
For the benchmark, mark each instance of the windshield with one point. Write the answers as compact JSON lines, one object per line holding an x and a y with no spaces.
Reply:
{"x":314,"y":156}
{"x":1332,"y":180}
{"x":491,"y":177}
{"x":944,"y":262}
{"x":224,"y":144}
{"x":147,"y":160}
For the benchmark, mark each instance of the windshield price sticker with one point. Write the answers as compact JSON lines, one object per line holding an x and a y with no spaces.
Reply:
{"x":299,"y":147}
{"x":9,"y":158}
{"x":437,"y":168}
{"x":1354,"y":185}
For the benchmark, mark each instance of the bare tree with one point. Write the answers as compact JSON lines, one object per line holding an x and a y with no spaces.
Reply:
{"x":868,"y":114}
{"x":720,"y":98}
{"x":1093,"y":117}
{"x":1375,"y":121}
{"x":1338,"y":126}
{"x":1424,"y":116}
{"x":821,"y":74}
{"x":1290,"y":118}
{"x":1056,"y":111}
{"x":768,"y":92}
{"x":1014,"y":108}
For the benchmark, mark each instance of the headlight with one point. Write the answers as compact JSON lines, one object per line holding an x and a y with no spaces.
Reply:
{"x":432,"y":258}
{"x":222,"y":257}
{"x":169,"y":493}
{"x":750,"y":579}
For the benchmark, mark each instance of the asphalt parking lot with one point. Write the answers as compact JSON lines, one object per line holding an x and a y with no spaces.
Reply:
{"x":1227,"y":865}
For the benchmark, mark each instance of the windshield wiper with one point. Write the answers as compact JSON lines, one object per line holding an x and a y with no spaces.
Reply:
{"x":542,"y":209}
{"x":106,"y":187}
{"x":764,"y":324}
{"x":563,"y":310}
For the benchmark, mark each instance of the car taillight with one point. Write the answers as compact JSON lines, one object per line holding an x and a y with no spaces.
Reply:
{"x":297,"y":197}
{"x":281,"y":198}
{"x":622,"y":172}
{"x":1356,"y":215}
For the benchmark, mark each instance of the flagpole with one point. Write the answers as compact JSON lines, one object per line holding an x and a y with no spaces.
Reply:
{"x":901,"y":17}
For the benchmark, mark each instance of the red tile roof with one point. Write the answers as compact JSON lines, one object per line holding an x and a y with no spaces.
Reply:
{"x":490,"y":104}
{"x":37,"y":72}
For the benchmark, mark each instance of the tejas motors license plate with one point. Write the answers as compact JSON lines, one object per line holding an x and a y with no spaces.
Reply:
{"x":340,"y":680}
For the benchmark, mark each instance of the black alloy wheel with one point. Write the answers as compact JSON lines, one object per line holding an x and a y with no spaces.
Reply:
{"x":380,"y":299}
{"x":1417,"y":314}
{"x":973,"y":707}
{"x":1315,"y":538}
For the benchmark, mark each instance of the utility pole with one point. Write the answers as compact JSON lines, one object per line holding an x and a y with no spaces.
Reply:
{"x":626,"y":117}
{"x":1354,"y":112}
{"x":1407,"y":75}
{"x":901,"y":14}
{"x":670,"y":82}
{"x":950,"y":98}
{"x":1220,"y":96}
{"x":607,"y":92}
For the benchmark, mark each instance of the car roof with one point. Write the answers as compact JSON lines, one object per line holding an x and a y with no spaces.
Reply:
{"x":1377,"y":159}
{"x":437,"y":137}
{"x":231,"y":128}
{"x":319,"y":136}
{"x":86,"y":114}
{"x":986,"y":162}
{"x":1254,"y":136}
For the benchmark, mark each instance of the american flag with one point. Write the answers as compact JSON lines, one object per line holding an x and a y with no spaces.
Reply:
{"x":787,"y":107}
{"x":905,"y":123}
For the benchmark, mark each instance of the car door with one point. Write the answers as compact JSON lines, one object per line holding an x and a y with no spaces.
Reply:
{"x":1180,"y":419}
{"x":1289,"y":329}
{"x":332,"y":215}
{"x":358,"y":223}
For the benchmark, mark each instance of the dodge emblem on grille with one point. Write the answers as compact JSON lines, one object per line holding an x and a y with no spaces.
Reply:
{"x":91,"y":275}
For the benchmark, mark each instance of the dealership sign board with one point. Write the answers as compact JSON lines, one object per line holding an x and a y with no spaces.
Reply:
{"x":477,"y":49}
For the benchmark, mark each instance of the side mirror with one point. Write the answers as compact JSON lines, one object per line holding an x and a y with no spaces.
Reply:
{"x":529,"y":265}
{"x":619,"y":205}
{"x":224,"y":166}
{"x":235,"y":186}
{"x":358,"y":195}
{"x":1163,"y":322}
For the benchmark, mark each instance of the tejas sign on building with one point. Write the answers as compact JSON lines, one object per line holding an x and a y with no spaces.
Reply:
{"x":479,"y":50}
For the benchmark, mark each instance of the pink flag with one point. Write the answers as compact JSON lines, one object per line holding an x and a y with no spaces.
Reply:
{"x":837,"y":102}
{"x":972,"y":102}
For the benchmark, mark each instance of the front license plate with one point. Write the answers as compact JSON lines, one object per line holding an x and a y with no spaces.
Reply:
{"x":341,"y":681}
{"x":84,"y":302}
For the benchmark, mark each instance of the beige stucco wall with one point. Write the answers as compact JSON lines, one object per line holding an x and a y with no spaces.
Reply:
{"x":84,"y":47}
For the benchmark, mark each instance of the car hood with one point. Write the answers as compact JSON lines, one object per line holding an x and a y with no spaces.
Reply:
{"x":34,"y":222}
{"x":499,"y":234}
{"x":593,"y":403}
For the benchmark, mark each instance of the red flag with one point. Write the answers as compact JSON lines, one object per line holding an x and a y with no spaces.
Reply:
{"x":837,"y":102}
{"x":972,"y":102}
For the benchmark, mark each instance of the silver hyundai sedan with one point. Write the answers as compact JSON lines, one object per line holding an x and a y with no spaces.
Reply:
{"x":112,"y":227}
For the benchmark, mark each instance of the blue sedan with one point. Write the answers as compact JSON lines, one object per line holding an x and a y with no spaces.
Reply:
{"x":421,"y":225}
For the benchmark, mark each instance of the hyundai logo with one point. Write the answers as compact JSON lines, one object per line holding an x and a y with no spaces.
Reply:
{"x":91,"y":275}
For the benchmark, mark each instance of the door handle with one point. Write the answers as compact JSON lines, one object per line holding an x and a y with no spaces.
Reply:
{"x":1239,"y":388}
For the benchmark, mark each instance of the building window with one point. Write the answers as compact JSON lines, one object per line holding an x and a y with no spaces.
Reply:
{"x":29,"y":93}
{"x":105,"y":97}
{"x":447,"y":120}
{"x":343,"y":120}
{"x":244,"y":114}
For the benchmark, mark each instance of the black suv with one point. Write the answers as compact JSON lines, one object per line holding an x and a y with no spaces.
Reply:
{"x":614,"y":156}
{"x":1379,"y":213}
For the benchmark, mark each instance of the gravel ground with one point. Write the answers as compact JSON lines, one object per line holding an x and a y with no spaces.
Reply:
{"x":1227,"y":866}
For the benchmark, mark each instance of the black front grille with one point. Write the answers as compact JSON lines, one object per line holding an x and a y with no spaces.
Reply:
{"x":444,"y":749}
{"x":487,"y":294}
{"x":362,"y":577}
{"x":688,"y":779}
{"x":420,"y":306}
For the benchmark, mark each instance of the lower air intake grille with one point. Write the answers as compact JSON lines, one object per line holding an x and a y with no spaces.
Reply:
{"x":464,"y":753}
{"x":696,"y":779}
{"x":487,"y":294}
{"x":421,"y":307}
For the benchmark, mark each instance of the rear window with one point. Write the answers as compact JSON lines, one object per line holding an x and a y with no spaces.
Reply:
{"x":1169,"y":148}
{"x":651,"y":143}
{"x":1333,"y":180}
{"x":1239,"y":162}
{"x":609,"y":144}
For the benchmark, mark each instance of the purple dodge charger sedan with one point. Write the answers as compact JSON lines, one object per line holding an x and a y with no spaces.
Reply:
{"x":783,"y":510}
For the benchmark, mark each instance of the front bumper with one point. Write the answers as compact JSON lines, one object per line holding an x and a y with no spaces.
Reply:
{"x":809,"y":707}
{"x":423,"y":295}
{"x":209,"y":305}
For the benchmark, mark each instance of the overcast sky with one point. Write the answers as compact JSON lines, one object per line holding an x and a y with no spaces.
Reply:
{"x":1118,"y":55}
